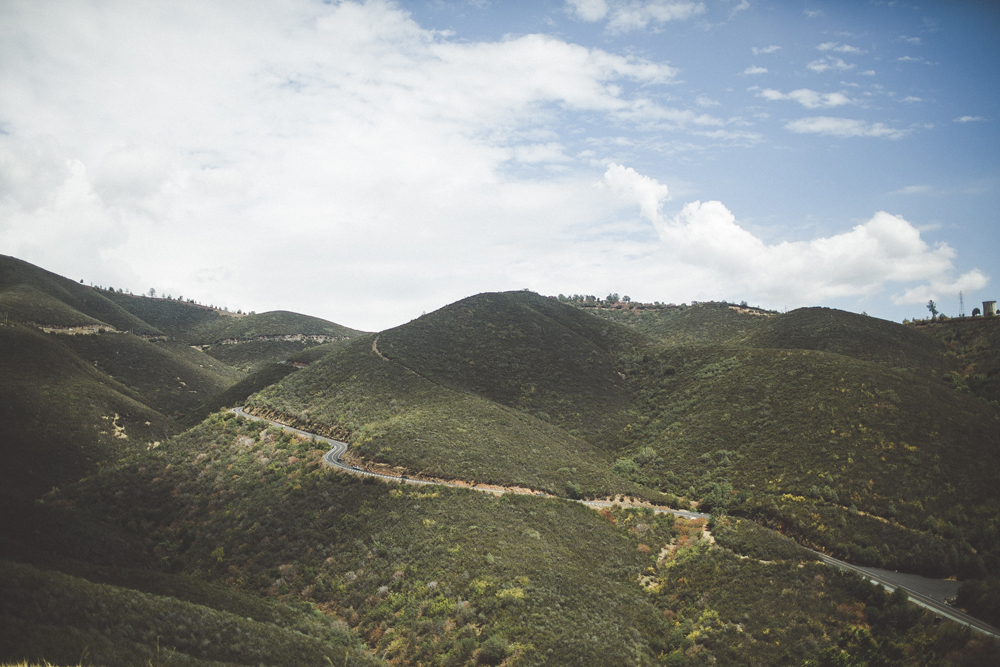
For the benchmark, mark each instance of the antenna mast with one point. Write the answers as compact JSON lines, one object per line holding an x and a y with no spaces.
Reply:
{"x":961,"y":305}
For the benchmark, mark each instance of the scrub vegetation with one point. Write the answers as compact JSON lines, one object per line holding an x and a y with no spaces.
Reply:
{"x":181,"y":534}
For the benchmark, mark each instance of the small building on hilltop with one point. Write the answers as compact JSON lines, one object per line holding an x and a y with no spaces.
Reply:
{"x":989,"y":308}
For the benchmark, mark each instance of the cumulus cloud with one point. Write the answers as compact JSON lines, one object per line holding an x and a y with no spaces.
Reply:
{"x":766,"y":49}
{"x":843,"y":127}
{"x":968,"y":119}
{"x":942,"y":287}
{"x":628,"y":15}
{"x":705,"y":239}
{"x":588,"y":10}
{"x":810,"y":99}
{"x":635,"y":188}
{"x":342,"y":137}
{"x":829,"y":63}
{"x":755,"y":70}
{"x":706,"y":101}
{"x":838,"y":48}
{"x":886,"y":250}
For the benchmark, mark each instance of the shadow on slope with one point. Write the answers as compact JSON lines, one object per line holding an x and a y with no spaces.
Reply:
{"x":60,"y":417}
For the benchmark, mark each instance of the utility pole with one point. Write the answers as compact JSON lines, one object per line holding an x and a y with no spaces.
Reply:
{"x":961,"y":305}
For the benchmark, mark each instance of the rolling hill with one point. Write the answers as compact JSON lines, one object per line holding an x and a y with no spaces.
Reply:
{"x":246,"y":342}
{"x":180,"y":534}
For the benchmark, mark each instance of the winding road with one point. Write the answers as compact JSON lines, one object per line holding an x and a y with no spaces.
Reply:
{"x":925,"y":592}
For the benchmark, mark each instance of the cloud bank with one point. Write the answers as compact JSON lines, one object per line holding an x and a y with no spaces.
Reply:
{"x":886,"y":252}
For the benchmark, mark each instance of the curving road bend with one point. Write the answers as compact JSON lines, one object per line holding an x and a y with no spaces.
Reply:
{"x":921,"y":590}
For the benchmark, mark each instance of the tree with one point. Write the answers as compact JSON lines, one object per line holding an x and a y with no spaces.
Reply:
{"x":612,"y":298}
{"x":152,"y":293}
{"x":627,"y":299}
{"x":976,"y":312}
{"x":931,"y":306}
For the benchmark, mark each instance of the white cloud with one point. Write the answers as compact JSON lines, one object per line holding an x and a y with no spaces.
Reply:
{"x":628,"y":15}
{"x":210,"y":153}
{"x":911,"y":99}
{"x":341,"y":160}
{"x":551,"y":152}
{"x":767,"y":49}
{"x":968,"y":119}
{"x":843,"y":127}
{"x":829,"y":63}
{"x":634,"y":188}
{"x":589,"y":10}
{"x":755,"y":70}
{"x":637,"y":15}
{"x":839,"y":48}
{"x":810,"y":99}
{"x":861,"y":262}
{"x":910,"y":40}
{"x":908,"y":59}
{"x":867,"y":72}
{"x":813,"y":13}
{"x":704,"y":240}
{"x":705,"y":101}
{"x":743,"y":6}
{"x":967,"y":283}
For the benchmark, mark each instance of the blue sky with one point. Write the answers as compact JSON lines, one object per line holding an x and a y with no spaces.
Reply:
{"x":366,"y":162}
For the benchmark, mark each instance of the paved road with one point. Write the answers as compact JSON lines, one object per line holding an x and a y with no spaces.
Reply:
{"x":919,"y":589}
{"x":927,"y":593}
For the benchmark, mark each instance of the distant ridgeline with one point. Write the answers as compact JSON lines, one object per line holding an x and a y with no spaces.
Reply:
{"x":141,"y":523}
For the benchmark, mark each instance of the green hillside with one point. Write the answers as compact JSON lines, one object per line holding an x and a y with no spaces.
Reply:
{"x":60,"y":417}
{"x":706,"y":323}
{"x":392,"y":415}
{"x":246,"y":343}
{"x":171,"y":378}
{"x":56,"y":617}
{"x":856,"y":457}
{"x":230,"y":542}
{"x":858,"y":336}
{"x":173,"y":317}
{"x":527,"y":352}
{"x":31,"y":294}
{"x":275,"y":323}
{"x":454,"y":577}
{"x":251,"y":356}
{"x":973,"y":343}
{"x":238,"y":393}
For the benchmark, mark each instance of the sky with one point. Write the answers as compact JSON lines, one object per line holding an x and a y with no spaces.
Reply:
{"x":367,"y":162}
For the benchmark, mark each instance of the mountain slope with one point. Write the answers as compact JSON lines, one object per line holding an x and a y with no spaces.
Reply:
{"x":60,"y":417}
{"x":705,"y":323}
{"x":244,"y":342}
{"x":858,"y":336}
{"x":392,"y":415}
{"x":455,"y":577}
{"x":29,"y":293}
{"x":864,"y":458}
{"x":526,"y":352}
